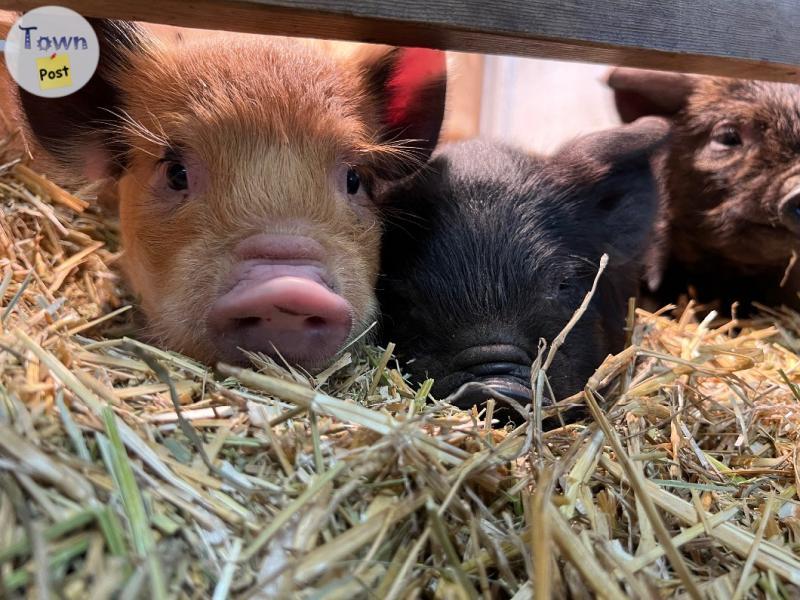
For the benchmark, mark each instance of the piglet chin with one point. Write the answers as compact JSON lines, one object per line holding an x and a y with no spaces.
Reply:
{"x":290,"y":310}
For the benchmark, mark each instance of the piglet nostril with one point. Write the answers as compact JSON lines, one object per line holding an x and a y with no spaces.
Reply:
{"x":246,"y":322}
{"x":315,"y":322}
{"x":299,"y":318}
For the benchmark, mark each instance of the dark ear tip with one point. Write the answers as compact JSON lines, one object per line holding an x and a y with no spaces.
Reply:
{"x":648,"y":133}
{"x":610,"y":77}
{"x":419,"y":68}
{"x":409,"y":87}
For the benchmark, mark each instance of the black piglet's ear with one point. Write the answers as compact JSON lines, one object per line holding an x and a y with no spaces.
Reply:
{"x":628,"y":144}
{"x":408,"y":87}
{"x":613,"y":170}
{"x":74,"y":129}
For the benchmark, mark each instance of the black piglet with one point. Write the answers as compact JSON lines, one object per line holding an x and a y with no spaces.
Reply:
{"x":491,"y":250}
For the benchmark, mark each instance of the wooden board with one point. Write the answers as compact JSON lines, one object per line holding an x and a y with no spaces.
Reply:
{"x":752,"y":38}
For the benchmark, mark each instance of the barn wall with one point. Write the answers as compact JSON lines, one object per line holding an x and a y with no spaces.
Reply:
{"x":539,"y":104}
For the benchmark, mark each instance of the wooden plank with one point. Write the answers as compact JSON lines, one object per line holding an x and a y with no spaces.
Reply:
{"x":753,"y":38}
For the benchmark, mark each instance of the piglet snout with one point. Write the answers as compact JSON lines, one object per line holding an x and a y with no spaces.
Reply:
{"x":790,"y":206}
{"x":478,"y":391}
{"x":281,"y":302}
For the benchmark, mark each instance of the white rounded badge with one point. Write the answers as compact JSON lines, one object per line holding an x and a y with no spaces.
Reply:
{"x":52,"y":51}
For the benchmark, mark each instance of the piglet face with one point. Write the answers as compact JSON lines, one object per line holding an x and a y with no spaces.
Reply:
{"x":491,"y":251}
{"x":265,"y":250}
{"x":732,"y":173}
{"x":248,"y":171}
{"x":740,"y":143}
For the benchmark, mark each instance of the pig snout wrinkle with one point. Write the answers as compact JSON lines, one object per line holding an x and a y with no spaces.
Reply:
{"x":500,"y":371}
{"x":477,"y":356}
{"x":280,"y":247}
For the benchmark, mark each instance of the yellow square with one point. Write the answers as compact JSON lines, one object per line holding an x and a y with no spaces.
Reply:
{"x":54,"y":71}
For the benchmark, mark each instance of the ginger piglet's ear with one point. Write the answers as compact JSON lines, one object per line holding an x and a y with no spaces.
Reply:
{"x":407,"y":88}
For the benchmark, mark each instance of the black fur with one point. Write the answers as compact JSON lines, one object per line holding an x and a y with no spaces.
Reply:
{"x":490,"y":246}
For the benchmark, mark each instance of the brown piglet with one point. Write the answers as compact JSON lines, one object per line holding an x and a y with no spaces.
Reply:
{"x":729,"y":185}
{"x":248,"y":172}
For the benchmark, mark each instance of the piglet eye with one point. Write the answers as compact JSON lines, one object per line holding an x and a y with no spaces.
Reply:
{"x":726,"y":135}
{"x":353,"y":182}
{"x":177,"y":177}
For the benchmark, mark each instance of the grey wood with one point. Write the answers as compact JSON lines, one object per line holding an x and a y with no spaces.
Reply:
{"x":745,"y":38}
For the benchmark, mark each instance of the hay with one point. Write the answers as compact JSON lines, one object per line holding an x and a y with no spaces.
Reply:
{"x":128,"y":471}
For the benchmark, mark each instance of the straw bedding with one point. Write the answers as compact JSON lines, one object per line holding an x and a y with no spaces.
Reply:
{"x":127,"y":471}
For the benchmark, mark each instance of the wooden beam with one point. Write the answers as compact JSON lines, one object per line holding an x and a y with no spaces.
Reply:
{"x":755,"y":39}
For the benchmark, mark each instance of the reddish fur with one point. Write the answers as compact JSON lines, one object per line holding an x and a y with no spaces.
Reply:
{"x":726,"y":206}
{"x":247,"y":130}
{"x":268,"y":120}
{"x":720,"y":229}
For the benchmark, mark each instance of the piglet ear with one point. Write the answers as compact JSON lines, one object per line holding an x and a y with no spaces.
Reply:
{"x":407,"y":88}
{"x":597,"y":155}
{"x":639,"y":92}
{"x":632,"y":143}
{"x":77,"y":129}
{"x":618,"y":200}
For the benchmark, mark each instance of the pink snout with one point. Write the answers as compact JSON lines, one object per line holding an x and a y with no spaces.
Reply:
{"x":281,"y":301}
